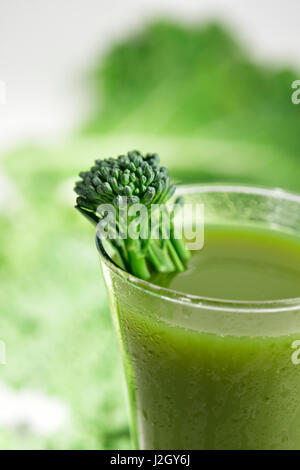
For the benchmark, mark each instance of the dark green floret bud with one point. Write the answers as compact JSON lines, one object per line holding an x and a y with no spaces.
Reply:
{"x":125,"y":177}
{"x":133,"y":200}
{"x":149,"y":195}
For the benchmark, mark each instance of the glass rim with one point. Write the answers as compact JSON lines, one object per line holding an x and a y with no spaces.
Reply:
{"x":210,"y":303}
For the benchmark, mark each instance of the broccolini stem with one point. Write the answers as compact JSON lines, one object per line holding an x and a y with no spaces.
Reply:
{"x":159,"y":258}
{"x":137,"y":260}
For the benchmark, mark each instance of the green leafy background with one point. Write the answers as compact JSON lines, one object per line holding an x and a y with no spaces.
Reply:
{"x":195,"y":96}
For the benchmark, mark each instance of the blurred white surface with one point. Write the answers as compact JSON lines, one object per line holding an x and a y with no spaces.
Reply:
{"x":30,"y":411}
{"x":48,"y":46}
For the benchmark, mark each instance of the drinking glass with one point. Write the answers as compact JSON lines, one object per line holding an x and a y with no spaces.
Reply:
{"x":205,"y":373}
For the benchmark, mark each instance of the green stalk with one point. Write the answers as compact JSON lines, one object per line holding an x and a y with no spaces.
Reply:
{"x":182,"y":251}
{"x":159,"y":258}
{"x":137,"y":260}
{"x":174,"y":255}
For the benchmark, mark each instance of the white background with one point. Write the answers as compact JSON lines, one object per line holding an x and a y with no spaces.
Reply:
{"x":48,"y":46}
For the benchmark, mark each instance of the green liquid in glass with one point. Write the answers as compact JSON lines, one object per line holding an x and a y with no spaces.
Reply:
{"x":239,"y":264}
{"x":193,"y":390}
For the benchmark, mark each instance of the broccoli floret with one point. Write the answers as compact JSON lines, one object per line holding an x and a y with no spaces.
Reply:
{"x":139,"y":179}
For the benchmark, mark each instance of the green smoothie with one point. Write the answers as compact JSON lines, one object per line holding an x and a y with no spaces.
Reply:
{"x":200,"y":390}
{"x":239,"y":264}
